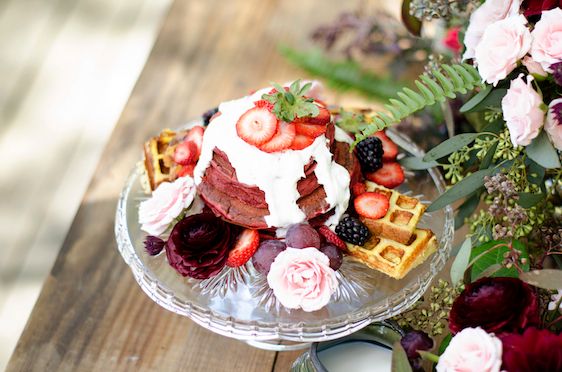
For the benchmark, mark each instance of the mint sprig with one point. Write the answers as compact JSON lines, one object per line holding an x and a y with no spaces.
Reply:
{"x":292,"y":104}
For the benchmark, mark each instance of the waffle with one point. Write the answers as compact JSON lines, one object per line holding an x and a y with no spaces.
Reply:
{"x":157,"y":157}
{"x":392,"y":258}
{"x":399,"y":223}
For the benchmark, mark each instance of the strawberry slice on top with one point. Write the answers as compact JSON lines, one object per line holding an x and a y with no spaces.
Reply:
{"x":372,"y":205}
{"x":257,"y":126}
{"x":301,"y":142}
{"x":282,"y":139}
{"x":390,"y":175}
{"x":310,"y":130}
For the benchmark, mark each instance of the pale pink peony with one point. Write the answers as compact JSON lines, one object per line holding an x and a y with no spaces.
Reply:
{"x":489,"y":12}
{"x":547,"y":39}
{"x":553,"y":125}
{"x":166,"y":203}
{"x":504,"y":43}
{"x":302,"y":278}
{"x":472,"y":349}
{"x":533,"y":67}
{"x":522,"y":112}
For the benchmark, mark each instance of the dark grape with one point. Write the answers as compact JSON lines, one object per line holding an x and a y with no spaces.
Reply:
{"x":334,"y":254}
{"x":266,"y":253}
{"x":302,"y":235}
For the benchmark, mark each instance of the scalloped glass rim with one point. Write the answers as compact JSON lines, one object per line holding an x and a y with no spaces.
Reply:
{"x":300,"y":331}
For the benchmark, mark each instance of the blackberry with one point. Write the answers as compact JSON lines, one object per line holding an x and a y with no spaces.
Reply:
{"x":353,"y":231}
{"x":208,"y":115}
{"x":369,"y":154}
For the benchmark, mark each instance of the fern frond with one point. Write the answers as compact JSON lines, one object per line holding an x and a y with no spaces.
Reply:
{"x":442,"y":84}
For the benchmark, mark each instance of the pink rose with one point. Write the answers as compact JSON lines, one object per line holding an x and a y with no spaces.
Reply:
{"x":504,"y":43}
{"x":522,"y":112}
{"x":489,"y":12}
{"x":472,"y":349}
{"x":547,"y":39}
{"x":302,"y":278}
{"x":533,"y":67}
{"x":553,"y":126}
{"x":166,"y":203}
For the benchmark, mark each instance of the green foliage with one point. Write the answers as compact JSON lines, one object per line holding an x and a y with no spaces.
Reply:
{"x":352,"y":122}
{"x":291,"y":104}
{"x":493,"y":253}
{"x":437,"y":87}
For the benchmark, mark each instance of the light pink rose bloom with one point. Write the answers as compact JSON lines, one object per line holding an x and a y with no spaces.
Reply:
{"x":547,"y":39}
{"x":504,"y":43}
{"x":472,"y":349}
{"x":522,"y":112}
{"x":553,"y":125}
{"x":489,"y":12}
{"x":533,"y":67}
{"x":302,"y":278}
{"x":166,"y":203}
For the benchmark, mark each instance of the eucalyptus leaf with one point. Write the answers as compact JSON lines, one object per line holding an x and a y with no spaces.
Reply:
{"x":487,"y":161}
{"x":461,"y":261}
{"x":476,"y":99}
{"x":414,"y":163}
{"x":535,"y":173}
{"x":449,"y":146}
{"x":465,"y":187}
{"x":543,"y":153}
{"x":485,"y":256}
{"x":400,"y":361}
{"x":491,"y":100}
{"x":490,"y":271}
{"x":466,"y":209}
{"x":412,"y":24}
{"x":528,"y":200}
{"x":445,"y":343}
{"x":550,"y":279}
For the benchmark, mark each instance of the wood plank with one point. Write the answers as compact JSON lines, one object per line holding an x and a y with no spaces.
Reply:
{"x":90,"y":314}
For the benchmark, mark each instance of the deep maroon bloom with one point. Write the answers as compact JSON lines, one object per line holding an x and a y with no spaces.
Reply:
{"x":198,"y":245}
{"x":557,"y":112}
{"x":535,"y":7}
{"x":557,"y":72}
{"x":496,"y":305}
{"x":412,"y":342}
{"x":534,"y":350}
{"x":153,"y":245}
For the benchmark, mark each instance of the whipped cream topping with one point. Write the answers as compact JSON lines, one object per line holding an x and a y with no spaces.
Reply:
{"x":276,"y":174}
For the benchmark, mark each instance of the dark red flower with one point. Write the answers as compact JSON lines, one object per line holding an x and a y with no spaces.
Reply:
{"x":153,"y":245}
{"x":535,"y":7}
{"x":534,"y":350}
{"x":412,"y":342}
{"x":557,"y":72}
{"x":198,"y":245}
{"x":451,"y":40}
{"x":496,"y":305}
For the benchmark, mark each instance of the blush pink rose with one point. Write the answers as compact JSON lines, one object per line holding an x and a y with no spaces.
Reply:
{"x":547,"y":39}
{"x":553,"y":125}
{"x":522,"y":112}
{"x":533,"y":67}
{"x":489,"y":12}
{"x":472,"y":349}
{"x":166,"y":203}
{"x":302,"y":278}
{"x":504,"y":43}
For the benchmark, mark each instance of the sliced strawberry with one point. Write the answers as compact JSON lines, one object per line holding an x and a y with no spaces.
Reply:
{"x":390,"y":175}
{"x":257,"y":126}
{"x":282,"y":139}
{"x":196,"y":135}
{"x":371,"y":205}
{"x":389,"y":148}
{"x":246,"y":245}
{"x":301,"y":142}
{"x":331,"y":237}
{"x":185,"y":170}
{"x":358,"y":189}
{"x":310,"y":130}
{"x":264,"y":104}
{"x":186,"y":153}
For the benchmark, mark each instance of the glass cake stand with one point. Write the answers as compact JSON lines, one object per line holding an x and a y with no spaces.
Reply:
{"x":238,"y":303}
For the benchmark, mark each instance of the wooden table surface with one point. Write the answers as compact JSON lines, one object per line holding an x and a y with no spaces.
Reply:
{"x":91,"y":315}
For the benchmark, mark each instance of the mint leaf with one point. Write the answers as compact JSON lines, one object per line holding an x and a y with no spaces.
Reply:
{"x":292,"y":104}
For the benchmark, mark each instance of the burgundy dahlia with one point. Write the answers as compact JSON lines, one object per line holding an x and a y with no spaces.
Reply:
{"x":412,"y":342}
{"x":534,"y":350}
{"x":153,"y":245}
{"x":557,"y":72}
{"x":496,"y":305}
{"x":535,"y":7}
{"x":198,"y":245}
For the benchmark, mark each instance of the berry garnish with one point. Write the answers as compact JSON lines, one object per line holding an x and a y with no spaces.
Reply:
{"x":153,"y":245}
{"x":266,"y":253}
{"x":331,"y":237}
{"x":186,"y":153}
{"x":257,"y":126}
{"x":310,"y":130}
{"x":291,"y":103}
{"x":389,"y":148}
{"x":185,"y":170}
{"x":334,"y":254}
{"x":371,"y":205}
{"x":353,"y":231}
{"x":195,"y":135}
{"x":301,"y":142}
{"x":390,"y":175}
{"x":207,"y":115}
{"x":262,"y":103}
{"x":358,"y":188}
{"x":282,"y":139}
{"x":246,"y":245}
{"x":322,"y":118}
{"x":369,"y":154}
{"x":302,"y":235}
